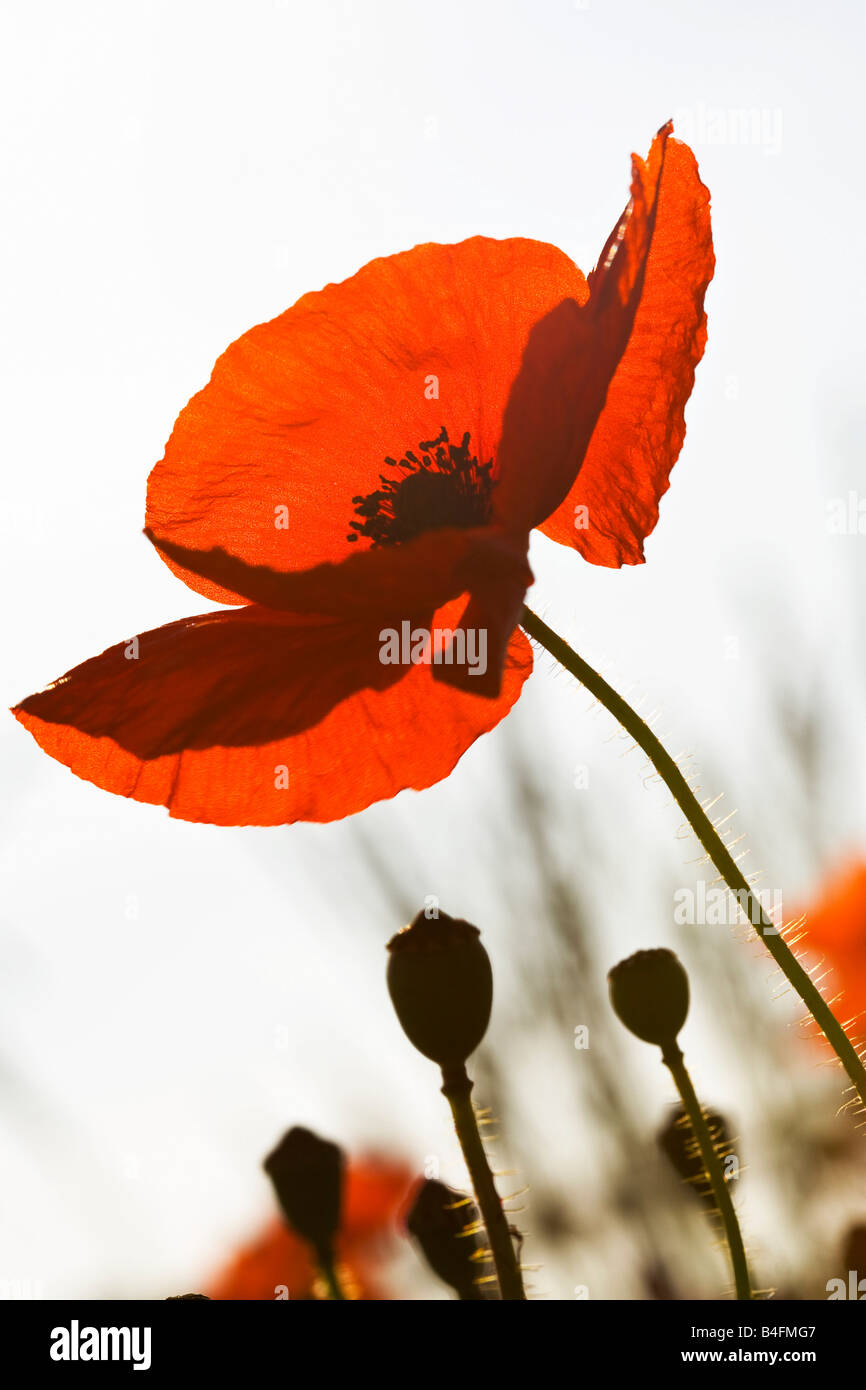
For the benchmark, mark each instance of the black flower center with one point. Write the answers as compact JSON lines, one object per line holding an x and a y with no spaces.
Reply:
{"x":445,"y":486}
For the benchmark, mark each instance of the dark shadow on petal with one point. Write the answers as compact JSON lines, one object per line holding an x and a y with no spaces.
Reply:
{"x":236,"y":678}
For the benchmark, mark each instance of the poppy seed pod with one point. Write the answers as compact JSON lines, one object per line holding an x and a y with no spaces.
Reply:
{"x":650,"y":994}
{"x":307,"y":1174}
{"x":441,"y":986}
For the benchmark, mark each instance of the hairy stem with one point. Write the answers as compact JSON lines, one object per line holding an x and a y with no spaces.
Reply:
{"x":711,"y":841}
{"x":673,"y":1060}
{"x":457,"y":1088}
{"x":328,"y":1268}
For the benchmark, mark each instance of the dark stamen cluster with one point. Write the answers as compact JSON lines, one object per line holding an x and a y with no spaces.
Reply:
{"x":445,"y":486}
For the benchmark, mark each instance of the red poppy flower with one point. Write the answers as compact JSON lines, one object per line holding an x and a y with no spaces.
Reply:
{"x":375,"y":1192}
{"x":836,"y":927}
{"x":368,"y":466}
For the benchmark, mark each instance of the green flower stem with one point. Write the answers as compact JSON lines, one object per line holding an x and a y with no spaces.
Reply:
{"x":328,"y":1270}
{"x":710,"y":839}
{"x":457,"y":1088}
{"x":673,"y":1060}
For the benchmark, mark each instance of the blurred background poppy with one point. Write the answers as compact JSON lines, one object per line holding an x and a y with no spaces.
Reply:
{"x":277,"y":1264}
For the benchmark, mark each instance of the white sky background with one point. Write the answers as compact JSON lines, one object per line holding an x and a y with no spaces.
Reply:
{"x":174,"y":995}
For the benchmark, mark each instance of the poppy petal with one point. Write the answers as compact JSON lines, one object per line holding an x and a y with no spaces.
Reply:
{"x":250,"y":717}
{"x":301,"y":413}
{"x":837,"y":921}
{"x":391,"y":581}
{"x":482,"y":636}
{"x":661,"y":255}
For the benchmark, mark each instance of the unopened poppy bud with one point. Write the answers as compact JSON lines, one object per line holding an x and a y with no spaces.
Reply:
{"x":650,"y":994}
{"x":854,"y":1251}
{"x":444,"y":1224}
{"x":307,"y":1174}
{"x":677,"y":1141}
{"x":441,"y":986}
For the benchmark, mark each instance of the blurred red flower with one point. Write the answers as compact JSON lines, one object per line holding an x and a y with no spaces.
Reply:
{"x":375,"y":1194}
{"x":836,"y":928}
{"x":541,"y":400}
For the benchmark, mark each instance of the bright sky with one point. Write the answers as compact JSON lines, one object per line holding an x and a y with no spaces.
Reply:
{"x":173,"y":995}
